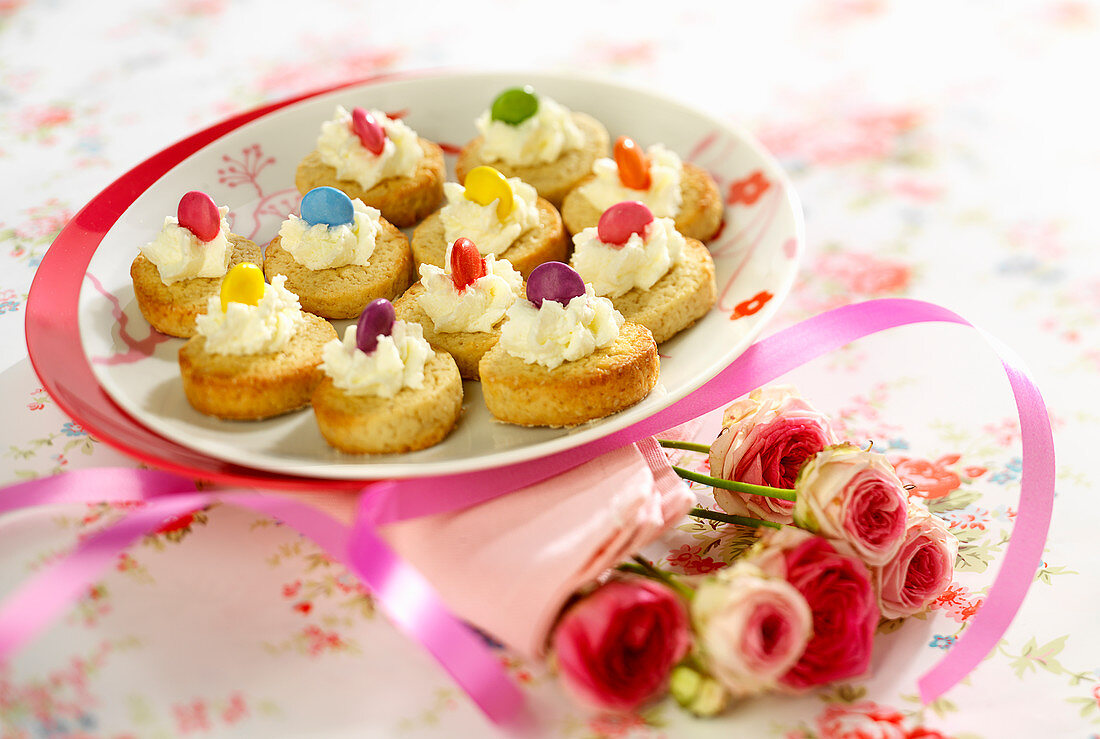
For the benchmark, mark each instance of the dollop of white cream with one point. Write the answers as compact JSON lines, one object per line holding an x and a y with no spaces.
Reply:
{"x":266,"y":327}
{"x":640,"y":262}
{"x":542,"y":138}
{"x":480,"y":223}
{"x":477,"y":308}
{"x":554,"y":333}
{"x":396,"y":362}
{"x":179,"y":255}
{"x":321,"y":246}
{"x":663,"y":196}
{"x":340,"y":148}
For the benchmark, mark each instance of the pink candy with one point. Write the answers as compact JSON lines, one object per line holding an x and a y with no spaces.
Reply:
{"x":623,"y":219}
{"x":369,"y":131}
{"x":199,"y":215}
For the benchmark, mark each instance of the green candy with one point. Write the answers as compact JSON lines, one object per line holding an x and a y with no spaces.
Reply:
{"x":515,"y":105}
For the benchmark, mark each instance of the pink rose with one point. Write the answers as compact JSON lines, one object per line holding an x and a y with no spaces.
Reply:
{"x":752,"y":629}
{"x":837,"y":588}
{"x":922,"y":569}
{"x":616,"y":647}
{"x":765,"y":440}
{"x":848,"y":494}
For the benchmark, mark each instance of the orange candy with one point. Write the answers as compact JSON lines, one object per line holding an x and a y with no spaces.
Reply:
{"x":633,"y":164}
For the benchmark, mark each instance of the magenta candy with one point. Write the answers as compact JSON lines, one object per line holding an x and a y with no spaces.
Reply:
{"x":554,"y":281}
{"x":375,"y":320}
{"x":198,"y":213}
{"x":369,"y":131}
{"x":623,"y":219}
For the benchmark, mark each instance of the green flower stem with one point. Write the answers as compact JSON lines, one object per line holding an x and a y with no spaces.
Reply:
{"x":730,"y":518}
{"x":645,"y":568}
{"x":685,"y":445}
{"x":740,"y":487}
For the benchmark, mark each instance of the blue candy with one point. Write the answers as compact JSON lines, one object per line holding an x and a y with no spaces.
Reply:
{"x":329,"y":206}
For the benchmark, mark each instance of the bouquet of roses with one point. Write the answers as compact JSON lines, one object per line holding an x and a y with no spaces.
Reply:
{"x":840,"y":547}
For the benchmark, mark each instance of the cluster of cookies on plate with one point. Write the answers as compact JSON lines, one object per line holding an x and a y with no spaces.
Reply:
{"x":558,"y":330}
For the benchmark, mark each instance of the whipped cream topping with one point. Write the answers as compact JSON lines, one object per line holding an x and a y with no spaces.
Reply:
{"x":542,"y":138}
{"x":663,"y":196}
{"x":340,"y":148}
{"x":397,"y":362}
{"x":475,"y":309}
{"x":480,"y":223}
{"x":179,"y":255}
{"x":320,"y":246}
{"x":554,"y":333}
{"x":640,"y":262}
{"x":244,"y":329}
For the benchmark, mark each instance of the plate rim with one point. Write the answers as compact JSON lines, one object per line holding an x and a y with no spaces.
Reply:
{"x":82,"y":236}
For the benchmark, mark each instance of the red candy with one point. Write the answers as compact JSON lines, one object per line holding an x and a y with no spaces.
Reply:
{"x":199,"y":215}
{"x":369,"y":131}
{"x":623,"y":219}
{"x":633,"y":164}
{"x":466,"y":264}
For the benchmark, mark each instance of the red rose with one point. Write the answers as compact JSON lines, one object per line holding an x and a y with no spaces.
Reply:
{"x":616,"y":647}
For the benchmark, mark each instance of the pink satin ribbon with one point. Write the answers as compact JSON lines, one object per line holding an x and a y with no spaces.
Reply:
{"x":409,"y":600}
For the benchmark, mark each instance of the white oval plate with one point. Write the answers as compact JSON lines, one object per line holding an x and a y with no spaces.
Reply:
{"x":251,"y":170}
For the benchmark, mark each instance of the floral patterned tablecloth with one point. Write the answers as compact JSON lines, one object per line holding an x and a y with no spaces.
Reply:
{"x":942,"y":151}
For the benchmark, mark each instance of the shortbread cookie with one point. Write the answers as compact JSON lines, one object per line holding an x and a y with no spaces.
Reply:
{"x":671,"y":188}
{"x":410,"y":420}
{"x":546,"y":242}
{"x":565,"y":355}
{"x":516,"y":156}
{"x":652,"y":274}
{"x":405,"y":181}
{"x":255,"y":353}
{"x":461,"y":309}
{"x":172,"y":308}
{"x":676,"y":301}
{"x":385,"y":389}
{"x":607,"y":381}
{"x":341,"y":291}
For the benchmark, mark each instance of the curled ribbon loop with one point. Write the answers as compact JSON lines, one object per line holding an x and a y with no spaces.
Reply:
{"x":407,"y":597}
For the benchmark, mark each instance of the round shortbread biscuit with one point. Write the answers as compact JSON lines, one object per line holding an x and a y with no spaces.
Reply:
{"x":553,"y":180}
{"x":467,"y":347}
{"x":171,"y":309}
{"x":343,"y":292}
{"x":680,"y":298}
{"x":699,"y":217}
{"x":412,"y":419}
{"x":545,"y":243}
{"x":252,"y":387}
{"x":404,"y":201}
{"x":605,"y":382}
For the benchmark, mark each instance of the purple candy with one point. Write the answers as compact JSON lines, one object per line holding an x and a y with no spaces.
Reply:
{"x":375,"y":320}
{"x":554,"y":281}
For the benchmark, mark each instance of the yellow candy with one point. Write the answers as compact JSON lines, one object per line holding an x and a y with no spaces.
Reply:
{"x":243,"y":284}
{"x":485,"y":184}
